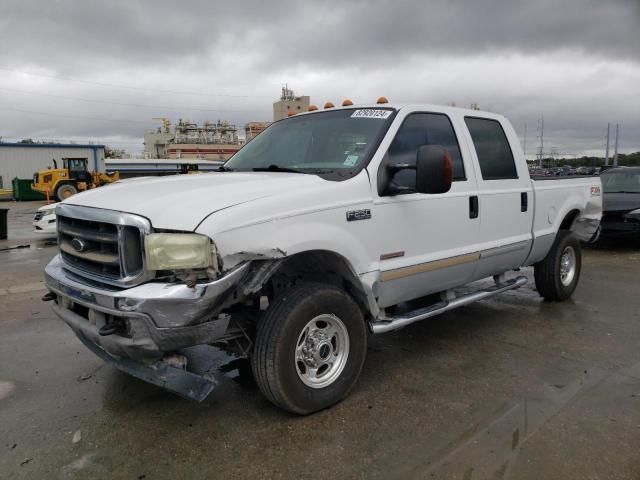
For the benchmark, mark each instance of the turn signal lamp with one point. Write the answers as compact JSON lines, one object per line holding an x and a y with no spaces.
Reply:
{"x":291,"y":114}
{"x":329,"y":105}
{"x":312,"y":108}
{"x":347,"y":103}
{"x":382,"y":100}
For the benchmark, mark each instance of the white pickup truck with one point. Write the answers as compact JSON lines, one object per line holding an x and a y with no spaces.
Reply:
{"x":327,"y":227}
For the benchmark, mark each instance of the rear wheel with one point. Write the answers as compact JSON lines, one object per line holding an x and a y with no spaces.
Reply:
{"x":558,"y":274}
{"x":310,"y":348}
{"x":65,"y":190}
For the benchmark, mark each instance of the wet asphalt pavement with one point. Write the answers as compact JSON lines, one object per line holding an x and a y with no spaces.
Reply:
{"x":512,"y":387}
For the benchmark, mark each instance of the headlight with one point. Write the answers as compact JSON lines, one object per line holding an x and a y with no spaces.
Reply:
{"x":177,"y":251}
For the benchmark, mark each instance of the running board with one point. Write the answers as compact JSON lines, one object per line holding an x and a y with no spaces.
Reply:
{"x":386,"y":324}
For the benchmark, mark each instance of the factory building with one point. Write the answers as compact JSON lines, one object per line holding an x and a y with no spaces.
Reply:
{"x":22,"y":160}
{"x":209,"y":141}
{"x":157,"y":141}
{"x":213,"y":140}
{"x":252,"y":129}
{"x":289,"y":103}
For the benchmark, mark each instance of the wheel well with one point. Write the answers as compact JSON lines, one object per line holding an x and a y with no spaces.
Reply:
{"x":569,"y":218}
{"x":319,"y":266}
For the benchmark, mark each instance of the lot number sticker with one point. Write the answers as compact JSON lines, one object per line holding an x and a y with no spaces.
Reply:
{"x":371,"y":113}
{"x":351,"y":160}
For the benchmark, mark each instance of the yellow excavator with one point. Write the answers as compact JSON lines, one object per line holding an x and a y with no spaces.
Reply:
{"x":72,"y":178}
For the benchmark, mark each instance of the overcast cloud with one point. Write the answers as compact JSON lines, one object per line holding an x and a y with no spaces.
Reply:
{"x":101,"y":71}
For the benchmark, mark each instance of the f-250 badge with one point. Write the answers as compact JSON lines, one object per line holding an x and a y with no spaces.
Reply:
{"x":354,"y":215}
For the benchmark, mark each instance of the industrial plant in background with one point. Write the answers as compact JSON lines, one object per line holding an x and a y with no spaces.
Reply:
{"x":213,"y":141}
{"x":289,"y":104}
{"x":209,"y":141}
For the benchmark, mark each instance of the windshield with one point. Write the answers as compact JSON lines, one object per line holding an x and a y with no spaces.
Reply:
{"x":621,"y":182}
{"x":336,"y":143}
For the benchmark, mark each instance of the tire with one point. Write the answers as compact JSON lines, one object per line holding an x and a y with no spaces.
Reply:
{"x":555,"y":281}
{"x":305,"y":329}
{"x":65,"y":190}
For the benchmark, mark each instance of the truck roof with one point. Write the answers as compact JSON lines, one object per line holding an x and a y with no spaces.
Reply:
{"x":412,"y":106}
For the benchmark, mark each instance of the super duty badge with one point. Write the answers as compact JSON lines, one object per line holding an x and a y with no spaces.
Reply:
{"x":354,"y":215}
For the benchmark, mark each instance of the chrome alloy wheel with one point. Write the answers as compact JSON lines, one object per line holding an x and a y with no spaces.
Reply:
{"x":322,"y":350}
{"x":567,"y":266}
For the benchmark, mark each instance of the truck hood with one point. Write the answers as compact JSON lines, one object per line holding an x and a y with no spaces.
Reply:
{"x":181,"y":202}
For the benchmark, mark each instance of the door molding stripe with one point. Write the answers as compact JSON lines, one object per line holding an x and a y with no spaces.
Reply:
{"x":512,"y":247}
{"x":402,"y":272}
{"x":429,"y":266}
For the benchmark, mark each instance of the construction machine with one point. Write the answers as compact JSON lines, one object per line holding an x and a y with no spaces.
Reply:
{"x":72,"y":178}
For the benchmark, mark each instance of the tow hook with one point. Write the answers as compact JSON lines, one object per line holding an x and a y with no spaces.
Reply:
{"x":112,"y":327}
{"x":47,"y":297}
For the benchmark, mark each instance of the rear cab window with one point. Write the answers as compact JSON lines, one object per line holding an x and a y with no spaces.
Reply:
{"x":492,"y":149}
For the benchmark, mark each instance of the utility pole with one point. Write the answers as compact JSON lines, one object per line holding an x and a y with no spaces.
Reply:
{"x":524,"y":143}
{"x":606,"y":155}
{"x":615,"y":150}
{"x":541,"y":127}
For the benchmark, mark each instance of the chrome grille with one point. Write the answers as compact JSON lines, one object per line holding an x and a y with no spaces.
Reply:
{"x":103,"y":245}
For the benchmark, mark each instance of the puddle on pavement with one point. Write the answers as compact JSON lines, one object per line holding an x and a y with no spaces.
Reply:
{"x":491,"y":449}
{"x":6,"y":388}
{"x":37,"y":245}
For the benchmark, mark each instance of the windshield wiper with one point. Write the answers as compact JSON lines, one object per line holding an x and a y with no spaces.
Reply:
{"x":222,"y":168}
{"x":277,"y":168}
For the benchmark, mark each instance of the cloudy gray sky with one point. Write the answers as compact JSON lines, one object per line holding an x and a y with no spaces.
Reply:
{"x":101,"y":71}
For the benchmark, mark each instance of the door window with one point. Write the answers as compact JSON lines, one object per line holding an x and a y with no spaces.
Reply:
{"x":492,"y":148}
{"x":423,"y":129}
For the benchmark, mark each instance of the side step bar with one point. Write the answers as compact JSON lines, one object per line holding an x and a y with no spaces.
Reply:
{"x":386,"y":324}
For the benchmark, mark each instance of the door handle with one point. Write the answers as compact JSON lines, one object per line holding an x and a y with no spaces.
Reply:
{"x":524,"y":201}
{"x":474,"y":207}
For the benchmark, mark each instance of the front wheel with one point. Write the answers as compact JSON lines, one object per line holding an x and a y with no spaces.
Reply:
{"x":558,"y":274}
{"x":310,"y":348}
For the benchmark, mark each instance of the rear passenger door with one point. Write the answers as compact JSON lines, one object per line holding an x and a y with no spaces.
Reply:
{"x":505,"y":199}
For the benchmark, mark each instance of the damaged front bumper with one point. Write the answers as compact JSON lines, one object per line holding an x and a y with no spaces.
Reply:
{"x":154,"y":319}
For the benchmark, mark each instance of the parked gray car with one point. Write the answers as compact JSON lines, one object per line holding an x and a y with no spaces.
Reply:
{"x":621,"y":206}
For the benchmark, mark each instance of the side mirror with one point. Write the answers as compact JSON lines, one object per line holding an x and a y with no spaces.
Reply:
{"x":434,"y":169}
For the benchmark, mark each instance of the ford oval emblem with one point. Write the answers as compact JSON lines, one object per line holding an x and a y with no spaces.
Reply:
{"x":78,"y":245}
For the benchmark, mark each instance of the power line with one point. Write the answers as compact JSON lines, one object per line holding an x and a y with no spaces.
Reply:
{"x":124,"y":104}
{"x":131,"y":87}
{"x":147,"y":122}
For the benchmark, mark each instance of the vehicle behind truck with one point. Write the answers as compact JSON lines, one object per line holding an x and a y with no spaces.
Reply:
{"x":326,"y":228}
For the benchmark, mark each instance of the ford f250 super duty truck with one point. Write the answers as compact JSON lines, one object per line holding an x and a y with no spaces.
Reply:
{"x":327,"y":227}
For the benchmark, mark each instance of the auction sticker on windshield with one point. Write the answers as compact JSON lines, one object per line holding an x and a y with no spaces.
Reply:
{"x":351,"y":160}
{"x":371,"y":113}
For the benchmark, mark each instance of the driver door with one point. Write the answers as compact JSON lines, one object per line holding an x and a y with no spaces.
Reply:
{"x":428,"y":241}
